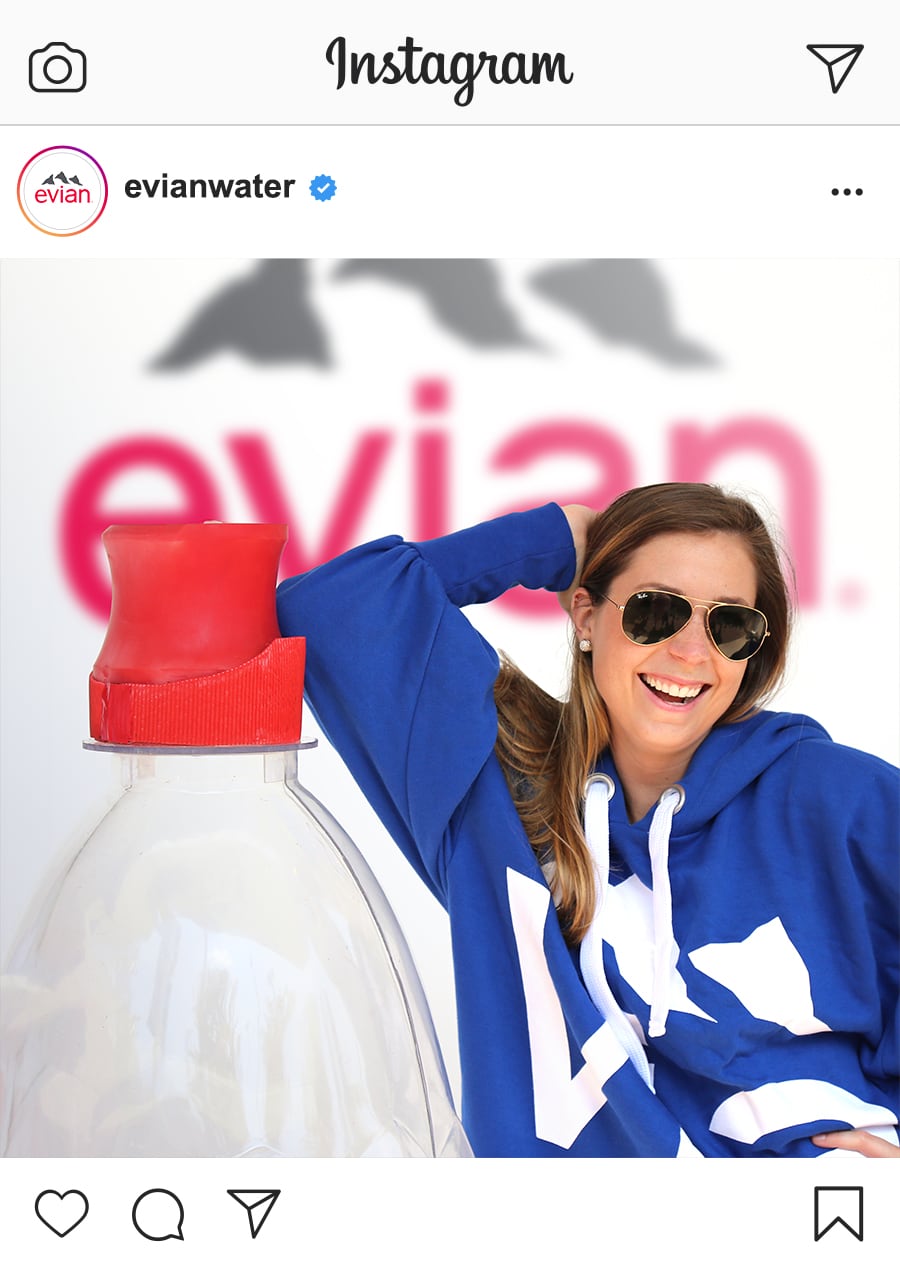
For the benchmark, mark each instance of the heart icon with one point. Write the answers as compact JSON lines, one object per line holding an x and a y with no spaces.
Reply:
{"x":61,"y":1212}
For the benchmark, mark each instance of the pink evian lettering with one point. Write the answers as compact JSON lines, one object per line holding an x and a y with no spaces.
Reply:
{"x":86,"y":512}
{"x":62,"y":195}
{"x":694,"y":453}
{"x":251,"y":455}
{"x":535,"y":450}
{"x":612,"y":472}
{"x":430,"y":489}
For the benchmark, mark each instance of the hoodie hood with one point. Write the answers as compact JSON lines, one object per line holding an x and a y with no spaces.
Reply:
{"x":729,"y":760}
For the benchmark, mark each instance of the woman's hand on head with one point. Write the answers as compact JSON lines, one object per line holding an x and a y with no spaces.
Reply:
{"x":860,"y":1141}
{"x":579,"y":518}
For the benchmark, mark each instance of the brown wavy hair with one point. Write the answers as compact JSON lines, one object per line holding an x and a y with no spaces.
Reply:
{"x":548,"y":747}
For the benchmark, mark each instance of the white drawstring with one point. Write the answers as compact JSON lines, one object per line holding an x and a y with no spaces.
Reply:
{"x":598,"y":792}
{"x":665,"y":950}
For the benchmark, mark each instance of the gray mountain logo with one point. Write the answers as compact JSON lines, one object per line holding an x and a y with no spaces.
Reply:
{"x":62,"y":178}
{"x":269,"y":317}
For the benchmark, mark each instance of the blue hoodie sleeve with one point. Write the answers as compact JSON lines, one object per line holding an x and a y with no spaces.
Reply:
{"x":399,"y":680}
{"x":873,"y":850}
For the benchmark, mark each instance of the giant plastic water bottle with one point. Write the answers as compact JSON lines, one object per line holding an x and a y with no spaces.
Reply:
{"x":215,"y":971}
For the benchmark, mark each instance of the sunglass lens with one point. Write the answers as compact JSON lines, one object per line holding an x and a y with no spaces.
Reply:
{"x":651,"y":617}
{"x":738,"y":631}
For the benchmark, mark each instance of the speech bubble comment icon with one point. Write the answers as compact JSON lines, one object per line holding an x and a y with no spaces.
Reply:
{"x":61,"y":1212}
{"x":158,"y":1215}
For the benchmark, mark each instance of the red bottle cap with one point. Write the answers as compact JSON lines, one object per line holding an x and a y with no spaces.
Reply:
{"x":193,"y":655}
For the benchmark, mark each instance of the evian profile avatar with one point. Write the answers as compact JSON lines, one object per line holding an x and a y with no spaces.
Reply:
{"x":62,"y":190}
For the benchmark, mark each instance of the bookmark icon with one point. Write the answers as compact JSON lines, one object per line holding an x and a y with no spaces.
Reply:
{"x":838,"y":1205}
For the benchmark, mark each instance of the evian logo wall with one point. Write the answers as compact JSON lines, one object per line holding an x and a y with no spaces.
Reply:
{"x":62,"y":190}
{"x":693,"y":453}
{"x":275,"y":316}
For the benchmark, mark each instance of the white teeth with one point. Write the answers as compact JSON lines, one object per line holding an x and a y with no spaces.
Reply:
{"x":674,"y":691}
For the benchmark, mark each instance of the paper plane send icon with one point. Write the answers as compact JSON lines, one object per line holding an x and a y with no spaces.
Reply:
{"x":839,"y":58}
{"x":257,"y":1203}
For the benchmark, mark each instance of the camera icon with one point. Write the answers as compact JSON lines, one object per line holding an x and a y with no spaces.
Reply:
{"x":57,"y":67}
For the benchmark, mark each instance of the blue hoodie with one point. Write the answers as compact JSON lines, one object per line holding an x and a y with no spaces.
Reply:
{"x":737,"y":992}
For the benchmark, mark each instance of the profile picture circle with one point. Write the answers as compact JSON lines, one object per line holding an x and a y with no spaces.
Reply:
{"x":62,"y":190}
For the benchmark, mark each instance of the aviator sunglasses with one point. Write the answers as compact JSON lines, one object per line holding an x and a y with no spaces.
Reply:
{"x":651,"y":616}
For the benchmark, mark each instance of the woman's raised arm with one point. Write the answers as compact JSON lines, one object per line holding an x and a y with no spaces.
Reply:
{"x":398,"y":678}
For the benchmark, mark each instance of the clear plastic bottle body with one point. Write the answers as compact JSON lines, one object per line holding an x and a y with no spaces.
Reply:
{"x":218,"y":973}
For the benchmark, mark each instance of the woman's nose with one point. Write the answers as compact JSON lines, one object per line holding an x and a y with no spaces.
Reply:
{"x":692,"y":643}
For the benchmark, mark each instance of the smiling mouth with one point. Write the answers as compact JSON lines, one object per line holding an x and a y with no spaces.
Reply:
{"x":668,"y":691}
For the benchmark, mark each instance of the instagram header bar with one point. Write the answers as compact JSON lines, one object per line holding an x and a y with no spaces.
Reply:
{"x":264,"y":64}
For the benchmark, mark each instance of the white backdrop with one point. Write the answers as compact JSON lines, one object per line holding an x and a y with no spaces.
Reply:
{"x":305,"y":367}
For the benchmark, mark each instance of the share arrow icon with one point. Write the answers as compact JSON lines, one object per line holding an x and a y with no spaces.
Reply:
{"x":839,"y":58}
{"x":257,"y":1203}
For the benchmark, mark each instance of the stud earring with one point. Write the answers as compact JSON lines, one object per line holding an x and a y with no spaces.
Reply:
{"x":584,"y":646}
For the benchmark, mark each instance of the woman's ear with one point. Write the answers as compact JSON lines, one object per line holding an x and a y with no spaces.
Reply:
{"x":580,"y":610}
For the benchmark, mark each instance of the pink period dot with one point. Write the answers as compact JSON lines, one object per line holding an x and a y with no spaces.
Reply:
{"x":431,"y":394}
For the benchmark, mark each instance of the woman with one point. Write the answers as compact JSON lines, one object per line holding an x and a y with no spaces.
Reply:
{"x":673,"y":914}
